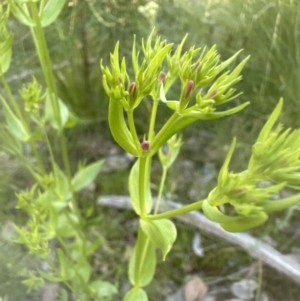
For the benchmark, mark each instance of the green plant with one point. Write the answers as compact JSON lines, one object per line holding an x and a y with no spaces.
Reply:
{"x":237,"y":203}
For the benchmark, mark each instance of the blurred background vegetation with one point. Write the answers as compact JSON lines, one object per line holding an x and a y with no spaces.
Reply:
{"x":86,"y":31}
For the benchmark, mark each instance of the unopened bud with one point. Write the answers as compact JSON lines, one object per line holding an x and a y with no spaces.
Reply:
{"x":189,"y":88}
{"x":133,"y":90}
{"x":145,"y":145}
{"x":197,"y":66}
{"x":162,"y":77}
{"x":213,"y":94}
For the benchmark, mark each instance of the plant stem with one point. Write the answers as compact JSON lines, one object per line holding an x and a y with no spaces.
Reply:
{"x":143,"y":171}
{"x":133,"y":129}
{"x":167,"y":126}
{"x":161,"y":187}
{"x":45,"y":61}
{"x":185,"y":209}
{"x":151,"y":132}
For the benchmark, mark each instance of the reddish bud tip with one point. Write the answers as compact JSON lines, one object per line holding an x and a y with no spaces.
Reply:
{"x":133,"y":90}
{"x":197,"y":66}
{"x":145,"y":145}
{"x":189,"y":88}
{"x":213,"y":94}
{"x":162,"y":77}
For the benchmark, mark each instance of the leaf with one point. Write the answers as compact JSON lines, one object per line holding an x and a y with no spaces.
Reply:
{"x":234,"y":223}
{"x":51,"y":11}
{"x":143,"y":253}
{"x":134,"y":190}
{"x":62,"y":187}
{"x":21,"y":13}
{"x":50,"y":112}
{"x":223,"y":174}
{"x":5,"y":60}
{"x":264,"y":133}
{"x":136,"y":294}
{"x":50,"y":277}
{"x":65,"y":225}
{"x":64,"y":268}
{"x":84,"y":269}
{"x":161,"y":232}
{"x":103,"y":289}
{"x":119,"y":129}
{"x":14,"y":124}
{"x":86,"y":176}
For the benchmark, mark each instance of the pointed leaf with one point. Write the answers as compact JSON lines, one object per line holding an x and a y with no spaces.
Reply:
{"x":136,"y":294}
{"x":14,"y":124}
{"x":21,"y":13}
{"x":86,"y":176}
{"x":51,"y":11}
{"x":5,"y":60}
{"x":264,"y":133}
{"x":161,"y":232}
{"x":103,"y":289}
{"x":50,"y":113}
{"x":142,"y":262}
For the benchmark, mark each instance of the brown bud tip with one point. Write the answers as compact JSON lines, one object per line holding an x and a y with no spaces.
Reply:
{"x":162,"y":77}
{"x":145,"y":145}
{"x":133,"y":89}
{"x":189,"y":88}
{"x":197,"y":66}
{"x":213,"y":94}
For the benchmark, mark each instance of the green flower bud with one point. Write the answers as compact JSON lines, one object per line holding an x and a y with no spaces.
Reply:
{"x":189,"y":88}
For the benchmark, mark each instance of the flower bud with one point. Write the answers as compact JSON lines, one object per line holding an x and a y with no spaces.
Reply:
{"x":213,"y":94}
{"x":133,"y":90}
{"x":189,"y":88}
{"x":197,"y":66}
{"x":162,"y":77}
{"x":145,"y":145}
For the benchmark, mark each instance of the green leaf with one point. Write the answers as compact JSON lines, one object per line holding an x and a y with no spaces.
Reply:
{"x":14,"y":124}
{"x":278,"y":205}
{"x":244,"y":223}
{"x":134,"y":190}
{"x":84,"y":269}
{"x":62,"y":187}
{"x":65,"y":225}
{"x":86,"y":176}
{"x":51,"y":11}
{"x":91,"y":248}
{"x":64,"y":267}
{"x":142,"y":261}
{"x":5,"y":60}
{"x":264,"y":133}
{"x":50,"y":277}
{"x":136,"y":294}
{"x":50,"y":113}
{"x":21,"y":13}
{"x":222,"y":179}
{"x":234,"y":223}
{"x":119,"y":129}
{"x":103,"y":289}
{"x":161,"y":232}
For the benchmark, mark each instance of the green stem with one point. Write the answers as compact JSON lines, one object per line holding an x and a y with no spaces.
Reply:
{"x":143,"y":171}
{"x":175,"y":212}
{"x":152,"y":120}
{"x":133,"y":129}
{"x":161,"y":187}
{"x":45,"y":61}
{"x":157,"y":141}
